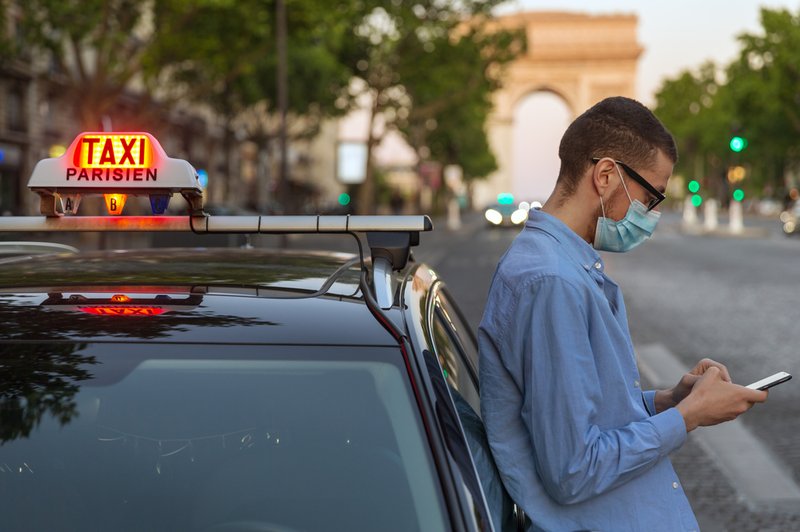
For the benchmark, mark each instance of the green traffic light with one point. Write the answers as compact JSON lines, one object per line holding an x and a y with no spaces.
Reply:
{"x":505,"y":198}
{"x":738,"y":194}
{"x":738,"y":143}
{"x":344,"y":198}
{"x":697,"y":200}
{"x":694,"y":186}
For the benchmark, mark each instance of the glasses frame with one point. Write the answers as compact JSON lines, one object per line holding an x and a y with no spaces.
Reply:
{"x":658,"y":196}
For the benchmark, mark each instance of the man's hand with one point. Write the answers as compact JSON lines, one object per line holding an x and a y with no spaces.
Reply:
{"x":714,"y":399}
{"x":668,"y":398}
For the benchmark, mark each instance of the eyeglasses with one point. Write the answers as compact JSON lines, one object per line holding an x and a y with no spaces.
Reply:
{"x":658,"y":197}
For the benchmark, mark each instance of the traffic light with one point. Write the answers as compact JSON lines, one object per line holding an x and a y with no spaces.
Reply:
{"x":694,"y":188}
{"x":736,"y":173}
{"x":738,"y":194}
{"x":737,"y":143}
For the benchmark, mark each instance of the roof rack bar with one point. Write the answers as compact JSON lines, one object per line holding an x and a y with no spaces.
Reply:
{"x":219,"y":224}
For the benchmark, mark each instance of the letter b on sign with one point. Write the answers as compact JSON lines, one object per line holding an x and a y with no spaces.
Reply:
{"x":115,"y":203}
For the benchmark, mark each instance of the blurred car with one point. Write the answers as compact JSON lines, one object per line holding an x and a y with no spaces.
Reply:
{"x":790,"y":218}
{"x":505,"y":215}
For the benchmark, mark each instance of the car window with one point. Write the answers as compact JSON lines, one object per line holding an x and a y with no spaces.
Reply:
{"x":148,"y":437}
{"x":457,"y":371}
{"x":461,"y":329}
{"x":452,"y":338}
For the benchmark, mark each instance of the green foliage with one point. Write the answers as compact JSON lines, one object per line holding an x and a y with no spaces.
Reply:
{"x":97,"y":44}
{"x":223,"y":53}
{"x":759,"y":100}
{"x":429,"y":68}
{"x":450,"y":109}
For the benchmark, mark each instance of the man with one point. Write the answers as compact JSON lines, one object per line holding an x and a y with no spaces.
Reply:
{"x":577,"y":442}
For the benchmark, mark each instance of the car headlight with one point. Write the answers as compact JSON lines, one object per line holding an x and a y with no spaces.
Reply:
{"x":493,"y":216}
{"x":789,"y":227}
{"x":519,"y":216}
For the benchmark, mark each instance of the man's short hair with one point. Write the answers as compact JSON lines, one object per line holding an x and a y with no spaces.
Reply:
{"x":616,"y":127}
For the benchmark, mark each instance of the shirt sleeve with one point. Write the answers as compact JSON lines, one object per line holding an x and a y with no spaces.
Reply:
{"x":576,"y":458}
{"x":649,"y":400}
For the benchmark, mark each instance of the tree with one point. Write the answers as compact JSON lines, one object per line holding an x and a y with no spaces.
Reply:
{"x":447,"y":119}
{"x":97,"y":45}
{"x":764,"y":84}
{"x":758,"y":99}
{"x":422,"y":59}
{"x":222,"y":53}
{"x":695,"y":109}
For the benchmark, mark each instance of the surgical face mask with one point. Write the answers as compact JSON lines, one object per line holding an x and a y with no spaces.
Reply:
{"x":636,"y":227}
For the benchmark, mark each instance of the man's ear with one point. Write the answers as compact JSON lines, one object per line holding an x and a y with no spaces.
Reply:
{"x":601,"y":176}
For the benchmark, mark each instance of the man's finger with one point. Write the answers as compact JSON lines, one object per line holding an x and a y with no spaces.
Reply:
{"x":706,"y":363}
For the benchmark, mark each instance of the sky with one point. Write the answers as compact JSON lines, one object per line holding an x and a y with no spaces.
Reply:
{"x":676,"y":35}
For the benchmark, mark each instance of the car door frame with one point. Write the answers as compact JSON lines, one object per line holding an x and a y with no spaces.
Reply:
{"x":417,"y":301}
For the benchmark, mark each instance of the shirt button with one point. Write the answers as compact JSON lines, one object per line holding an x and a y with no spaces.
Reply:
{"x":675,"y":485}
{"x":636,"y":383}
{"x":597,"y":265}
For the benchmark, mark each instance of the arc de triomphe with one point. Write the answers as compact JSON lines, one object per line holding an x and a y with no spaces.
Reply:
{"x":581,"y":58}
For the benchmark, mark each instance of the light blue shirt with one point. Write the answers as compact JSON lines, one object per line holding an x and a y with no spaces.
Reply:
{"x":577,"y":442}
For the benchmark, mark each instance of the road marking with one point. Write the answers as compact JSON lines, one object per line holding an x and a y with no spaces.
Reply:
{"x":751,"y":468}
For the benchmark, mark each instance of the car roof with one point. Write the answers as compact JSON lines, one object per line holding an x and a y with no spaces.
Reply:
{"x":228,"y":296}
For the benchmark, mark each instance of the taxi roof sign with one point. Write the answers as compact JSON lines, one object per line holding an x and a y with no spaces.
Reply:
{"x":123,"y":163}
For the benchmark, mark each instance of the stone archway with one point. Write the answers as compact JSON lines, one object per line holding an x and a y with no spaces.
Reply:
{"x":581,"y":58}
{"x":540,"y":119}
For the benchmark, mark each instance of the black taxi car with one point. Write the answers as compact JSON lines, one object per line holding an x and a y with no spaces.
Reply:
{"x":238,"y":389}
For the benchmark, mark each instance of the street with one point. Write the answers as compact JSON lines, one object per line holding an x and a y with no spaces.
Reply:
{"x":731,"y":299}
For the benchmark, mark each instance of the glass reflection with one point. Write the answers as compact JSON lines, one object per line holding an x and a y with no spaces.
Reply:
{"x":36,"y":380}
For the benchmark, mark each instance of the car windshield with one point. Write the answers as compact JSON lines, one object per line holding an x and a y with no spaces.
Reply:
{"x":222,"y":438}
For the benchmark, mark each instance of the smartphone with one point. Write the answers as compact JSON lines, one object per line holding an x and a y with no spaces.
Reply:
{"x":770,"y":381}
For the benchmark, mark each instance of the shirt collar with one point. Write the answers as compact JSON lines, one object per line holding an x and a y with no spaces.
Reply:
{"x":580,"y":250}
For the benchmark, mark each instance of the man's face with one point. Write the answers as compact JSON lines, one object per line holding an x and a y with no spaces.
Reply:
{"x":658,"y":175}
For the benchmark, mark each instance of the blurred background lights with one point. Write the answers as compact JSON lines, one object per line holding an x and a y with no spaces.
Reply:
{"x":738,"y":143}
{"x":202,"y":177}
{"x":505,"y":198}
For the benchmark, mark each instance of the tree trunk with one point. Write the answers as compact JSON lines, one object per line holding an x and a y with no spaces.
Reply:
{"x":282,"y":82}
{"x":366,"y":192}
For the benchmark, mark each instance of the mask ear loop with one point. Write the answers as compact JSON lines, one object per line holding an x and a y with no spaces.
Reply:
{"x":623,"y":183}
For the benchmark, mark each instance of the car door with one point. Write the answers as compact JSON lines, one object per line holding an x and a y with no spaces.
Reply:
{"x":457,"y":353}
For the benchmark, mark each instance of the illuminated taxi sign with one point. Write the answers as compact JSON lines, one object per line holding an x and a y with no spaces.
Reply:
{"x":132,"y":163}
{"x":95,"y":150}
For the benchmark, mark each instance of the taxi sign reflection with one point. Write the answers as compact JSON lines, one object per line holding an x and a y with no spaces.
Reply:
{"x":121,"y":304}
